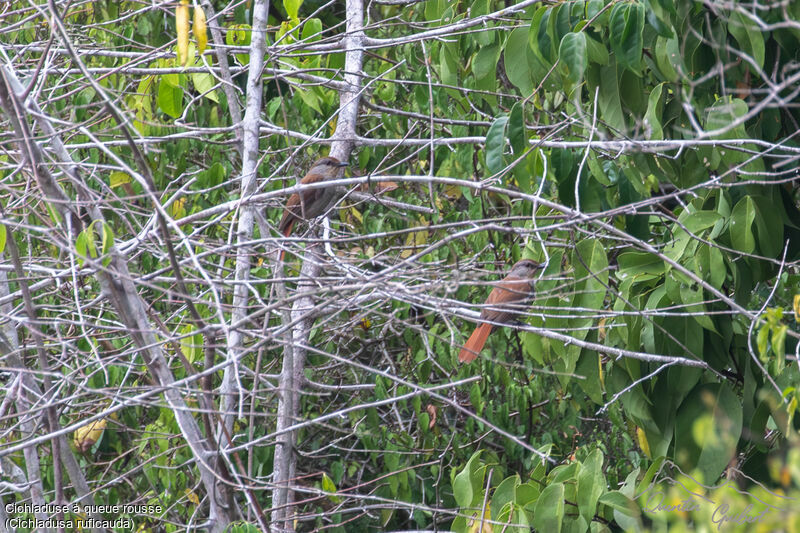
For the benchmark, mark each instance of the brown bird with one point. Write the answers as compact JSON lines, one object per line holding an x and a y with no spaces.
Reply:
{"x":514,"y":288}
{"x":311,"y":203}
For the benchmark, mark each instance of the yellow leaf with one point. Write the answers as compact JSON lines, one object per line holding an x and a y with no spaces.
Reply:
{"x":178,"y":208}
{"x":357,"y":214}
{"x":191,"y":496}
{"x":453,"y":192}
{"x":796,"y":307}
{"x":475,"y":526}
{"x":119,"y":178}
{"x":199,"y":29}
{"x":86,"y":436}
{"x":643,"y":444}
{"x":182,"y":28}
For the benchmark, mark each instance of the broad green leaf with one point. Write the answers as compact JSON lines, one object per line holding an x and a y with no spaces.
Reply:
{"x":495,"y":145}
{"x":312,"y":30}
{"x":652,"y":118}
{"x":693,"y":300}
{"x":504,"y":493}
{"x":749,"y":37}
{"x":591,"y":484}
{"x":549,"y":512}
{"x":170,"y":98}
{"x":448,"y":65}
{"x":722,"y":115}
{"x":292,"y":8}
{"x":626,"y":25}
{"x":543,"y":41}
{"x":517,"y":135}
{"x":3,"y":237}
{"x":637,"y":263}
{"x":769,"y":227}
{"x":537,"y":30}
{"x":609,"y":99}
{"x":558,"y":25}
{"x":516,"y":61}
{"x":204,"y":83}
{"x":654,"y":18}
{"x":668,"y":58}
{"x":572,"y":54}
{"x":619,"y":502}
{"x":485,"y":62}
{"x":463,"y":488}
{"x":741,"y":227}
{"x":330,"y":487}
{"x":596,"y":51}
{"x":707,"y":430}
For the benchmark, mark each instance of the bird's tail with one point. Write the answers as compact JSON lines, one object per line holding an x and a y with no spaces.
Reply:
{"x":474,"y":344}
{"x":287,"y":230}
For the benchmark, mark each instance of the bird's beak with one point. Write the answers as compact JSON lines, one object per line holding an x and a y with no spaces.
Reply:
{"x":343,"y":164}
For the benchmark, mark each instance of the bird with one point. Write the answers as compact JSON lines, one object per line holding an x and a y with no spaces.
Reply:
{"x":311,"y":203}
{"x":516,"y":287}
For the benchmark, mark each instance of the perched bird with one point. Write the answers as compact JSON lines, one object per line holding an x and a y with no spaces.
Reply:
{"x":513,"y":289}
{"x":311,"y":203}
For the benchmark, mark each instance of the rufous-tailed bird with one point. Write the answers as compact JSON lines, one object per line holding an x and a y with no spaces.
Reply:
{"x":516,"y":287}
{"x":310,"y":203}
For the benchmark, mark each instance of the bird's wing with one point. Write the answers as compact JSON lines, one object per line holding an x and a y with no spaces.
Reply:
{"x":510,"y":290}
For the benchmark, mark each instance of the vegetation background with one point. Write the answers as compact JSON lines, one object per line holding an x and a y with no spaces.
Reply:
{"x":153,"y":352}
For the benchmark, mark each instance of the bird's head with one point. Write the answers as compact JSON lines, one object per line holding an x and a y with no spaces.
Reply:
{"x":526,"y":268}
{"x":328,"y":164}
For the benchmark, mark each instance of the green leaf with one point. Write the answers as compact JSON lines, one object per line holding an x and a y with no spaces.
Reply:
{"x":463,"y":487}
{"x":503,"y":494}
{"x":292,"y":8}
{"x":707,"y":429}
{"x":654,"y":19}
{"x":741,"y":227}
{"x":170,"y":98}
{"x":516,"y":130}
{"x":549,"y":512}
{"x":652,"y":118}
{"x":543,"y":41}
{"x":558,"y":25}
{"x":108,"y":242}
{"x":668,"y":58}
{"x":572,"y":54}
{"x":329,"y":486}
{"x":637,"y":263}
{"x":312,"y":30}
{"x":749,"y":37}
{"x":517,"y":64}
{"x":693,"y":300}
{"x":609,"y":100}
{"x":448,"y":66}
{"x":596,"y":51}
{"x":591,"y":484}
{"x":3,"y":236}
{"x":495,"y":145}
{"x":619,"y":502}
{"x":539,"y":25}
{"x":204,"y":83}
{"x":626,"y":24}
{"x":769,"y":227}
{"x":722,"y":115}
{"x":485,"y":62}
{"x":762,"y":342}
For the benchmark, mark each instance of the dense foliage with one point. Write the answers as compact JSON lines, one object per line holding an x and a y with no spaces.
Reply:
{"x":644,"y":151}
